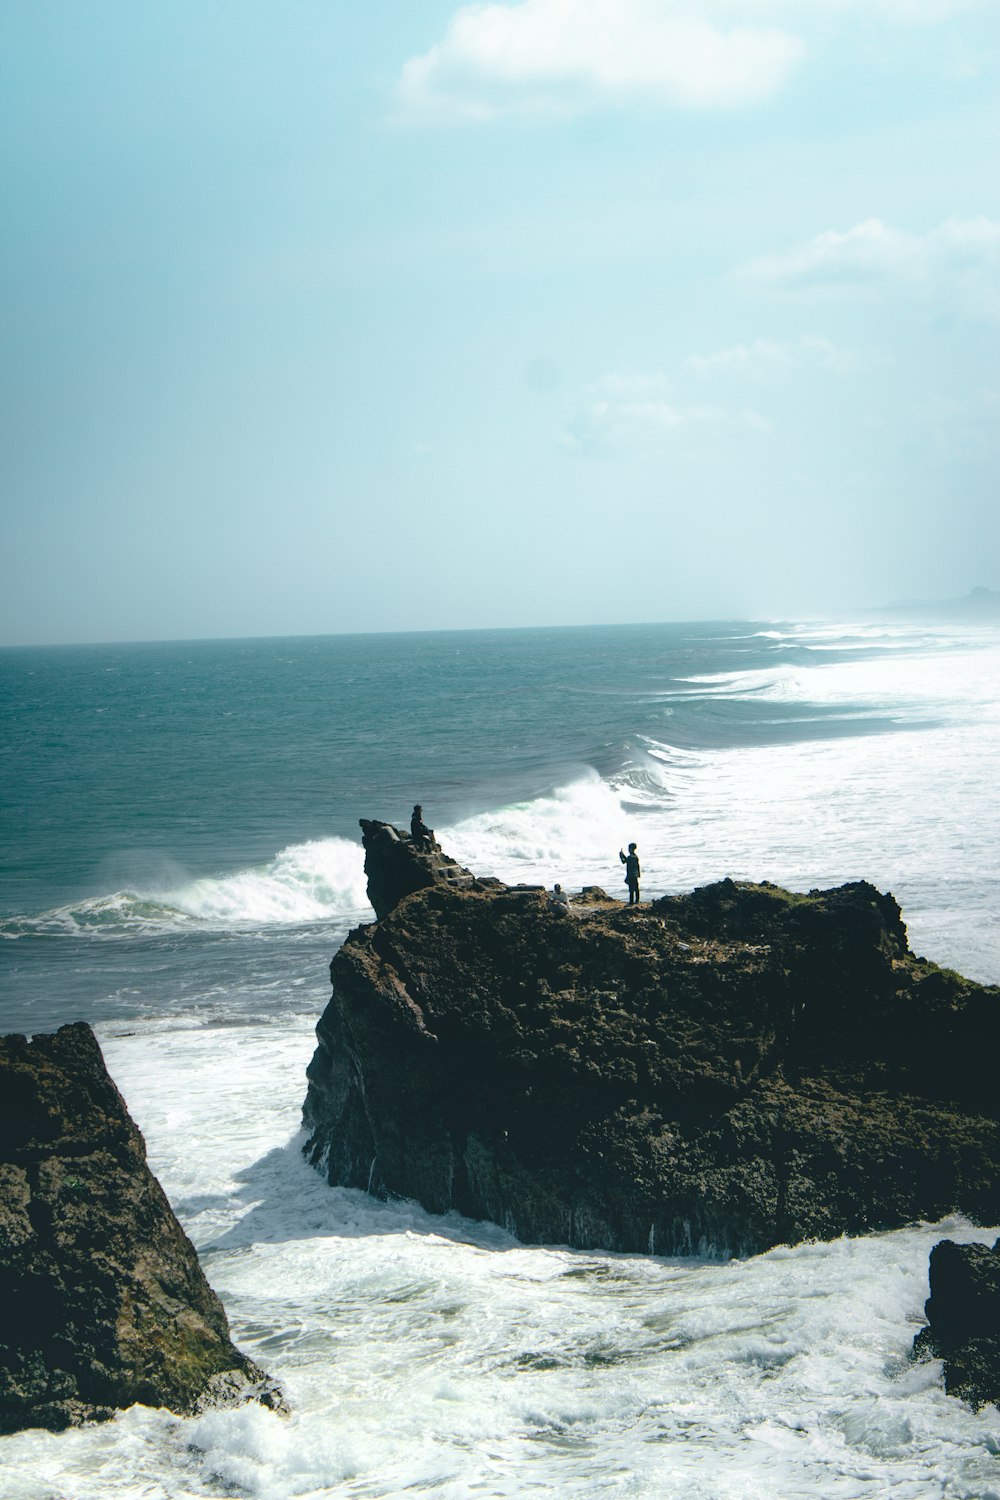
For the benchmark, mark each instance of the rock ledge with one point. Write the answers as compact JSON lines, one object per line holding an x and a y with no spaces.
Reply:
{"x":104,"y":1302}
{"x":710,"y":1073}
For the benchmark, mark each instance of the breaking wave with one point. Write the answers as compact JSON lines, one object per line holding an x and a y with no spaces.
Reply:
{"x":304,"y":883}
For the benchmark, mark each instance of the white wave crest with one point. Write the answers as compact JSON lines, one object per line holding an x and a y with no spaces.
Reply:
{"x":109,"y":915}
{"x":304,"y":883}
{"x":572,"y":836}
{"x":311,"y":882}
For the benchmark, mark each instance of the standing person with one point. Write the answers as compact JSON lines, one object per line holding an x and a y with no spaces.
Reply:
{"x":632,"y":873}
{"x":419,"y":832}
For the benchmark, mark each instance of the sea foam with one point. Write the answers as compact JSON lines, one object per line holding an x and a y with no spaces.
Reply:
{"x":304,"y":883}
{"x":311,"y":882}
{"x":437,"y":1356}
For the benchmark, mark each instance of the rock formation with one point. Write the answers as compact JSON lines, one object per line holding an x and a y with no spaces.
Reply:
{"x":102,"y":1300}
{"x":396,"y":866}
{"x":720,"y":1071}
{"x":963,"y":1313}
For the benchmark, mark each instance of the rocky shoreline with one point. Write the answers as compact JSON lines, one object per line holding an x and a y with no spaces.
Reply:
{"x":713,"y":1073}
{"x":104,"y":1302}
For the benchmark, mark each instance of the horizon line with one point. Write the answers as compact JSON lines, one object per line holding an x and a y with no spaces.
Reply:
{"x":322,"y":635}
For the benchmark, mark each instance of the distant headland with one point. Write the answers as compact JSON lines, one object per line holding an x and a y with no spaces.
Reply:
{"x":977,"y":604}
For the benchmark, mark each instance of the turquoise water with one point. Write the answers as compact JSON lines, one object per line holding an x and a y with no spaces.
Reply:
{"x":195,"y":805}
{"x":180,"y":857}
{"x":213,"y":755}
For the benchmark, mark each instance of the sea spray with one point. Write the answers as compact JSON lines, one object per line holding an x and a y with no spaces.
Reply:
{"x":304,"y":883}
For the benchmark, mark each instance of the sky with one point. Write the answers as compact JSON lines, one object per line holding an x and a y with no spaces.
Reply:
{"x":322,"y":317}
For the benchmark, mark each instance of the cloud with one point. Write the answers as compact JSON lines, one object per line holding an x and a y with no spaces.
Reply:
{"x":960,"y":255}
{"x":645,"y":412}
{"x":900,"y":12}
{"x":909,"y":12}
{"x":638,"y":413}
{"x":764,"y":361}
{"x":565,"y":55}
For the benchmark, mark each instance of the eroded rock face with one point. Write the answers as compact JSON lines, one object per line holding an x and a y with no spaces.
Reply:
{"x":720,"y":1071}
{"x":102,"y":1300}
{"x":397,"y":865}
{"x":963,"y":1313}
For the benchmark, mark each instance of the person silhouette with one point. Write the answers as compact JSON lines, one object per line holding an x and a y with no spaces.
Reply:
{"x":632,"y":873}
{"x":419,"y":832}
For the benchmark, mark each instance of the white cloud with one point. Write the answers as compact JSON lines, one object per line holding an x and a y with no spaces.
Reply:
{"x":637,"y":413}
{"x":567,"y":54}
{"x":763,"y":361}
{"x":901,"y":12}
{"x":960,"y":255}
{"x":910,"y":12}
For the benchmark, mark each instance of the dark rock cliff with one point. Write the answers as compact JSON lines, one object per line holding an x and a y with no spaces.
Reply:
{"x":102,"y":1300}
{"x":397,"y":866}
{"x":725,"y":1070}
{"x":963,"y":1313}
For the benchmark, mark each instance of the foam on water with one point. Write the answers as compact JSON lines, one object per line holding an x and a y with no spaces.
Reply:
{"x":912,"y":678}
{"x":308,"y":882}
{"x":436,"y":1356}
{"x":893,"y":809}
{"x":439,"y":1357}
{"x":305,"y":883}
{"x":571,"y":830}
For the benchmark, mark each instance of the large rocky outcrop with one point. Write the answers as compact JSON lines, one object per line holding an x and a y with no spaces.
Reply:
{"x":963,"y":1313}
{"x":102,"y":1300}
{"x":724,"y":1070}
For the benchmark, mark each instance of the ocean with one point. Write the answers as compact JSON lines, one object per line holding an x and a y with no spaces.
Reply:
{"x":180,"y":858}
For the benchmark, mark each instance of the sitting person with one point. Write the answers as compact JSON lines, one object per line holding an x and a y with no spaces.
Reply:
{"x":558,"y":900}
{"x":419,"y":832}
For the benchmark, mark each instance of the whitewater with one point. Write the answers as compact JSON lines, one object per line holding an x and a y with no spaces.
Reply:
{"x":432,"y":1356}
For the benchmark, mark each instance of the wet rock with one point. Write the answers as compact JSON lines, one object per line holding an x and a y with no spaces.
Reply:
{"x":397,"y":865}
{"x":102,"y":1301}
{"x":963,"y":1313}
{"x":720,"y":1071}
